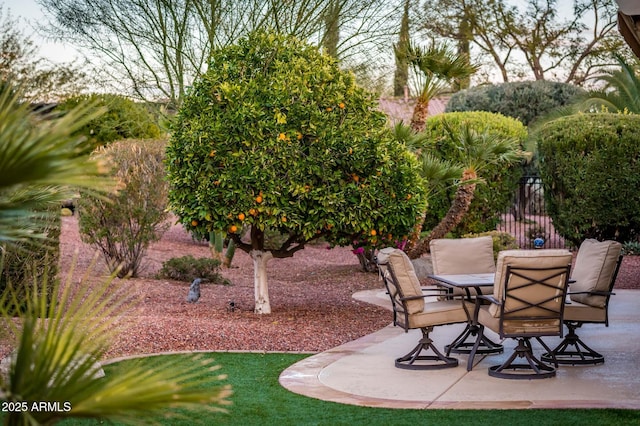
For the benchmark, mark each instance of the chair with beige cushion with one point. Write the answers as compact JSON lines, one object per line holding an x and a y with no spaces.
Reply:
{"x":527,"y":302}
{"x":593,"y":277}
{"x":452,"y":256}
{"x":411,"y":312}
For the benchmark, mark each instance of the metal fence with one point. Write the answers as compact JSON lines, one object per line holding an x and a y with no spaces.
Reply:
{"x":527,"y":220}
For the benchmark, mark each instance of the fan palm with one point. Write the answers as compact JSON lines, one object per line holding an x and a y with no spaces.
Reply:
{"x":436,"y":67}
{"x":478,"y":151}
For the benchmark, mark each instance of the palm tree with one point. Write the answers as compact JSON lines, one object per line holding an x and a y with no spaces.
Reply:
{"x":435,"y":67}
{"x":621,"y":92}
{"x":56,"y":360}
{"x":478,"y":151}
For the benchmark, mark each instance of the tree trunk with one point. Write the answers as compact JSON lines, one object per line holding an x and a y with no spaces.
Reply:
{"x":260,"y":259}
{"x":420,"y":113}
{"x":415,"y":233}
{"x":459,"y":207}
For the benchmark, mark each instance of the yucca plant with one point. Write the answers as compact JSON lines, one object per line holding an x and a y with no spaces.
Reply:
{"x":57,"y":357}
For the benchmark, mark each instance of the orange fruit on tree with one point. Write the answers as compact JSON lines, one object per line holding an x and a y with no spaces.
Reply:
{"x":299,"y":136}
{"x":282,"y":136}
{"x":284,"y":218}
{"x":373,"y":233}
{"x":253,"y":212}
{"x":216,"y":182}
{"x":341,"y":105}
{"x":233,"y":229}
{"x":408,"y":196}
{"x":212,"y":153}
{"x":194,"y":222}
{"x":259,"y":199}
{"x":329,"y":109}
{"x":241,"y":216}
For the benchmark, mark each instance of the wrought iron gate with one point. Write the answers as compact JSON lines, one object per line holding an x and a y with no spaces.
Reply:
{"x":527,"y":219}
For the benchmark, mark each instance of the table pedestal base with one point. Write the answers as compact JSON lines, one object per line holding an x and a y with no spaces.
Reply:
{"x":463,"y":344}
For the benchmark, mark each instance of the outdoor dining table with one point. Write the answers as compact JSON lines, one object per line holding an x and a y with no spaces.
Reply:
{"x":467,"y":339}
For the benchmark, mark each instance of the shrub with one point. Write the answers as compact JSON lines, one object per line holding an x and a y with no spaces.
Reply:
{"x":492,"y":197}
{"x":589,"y":167}
{"x":523,"y":100}
{"x":123,"y":119}
{"x":275,"y":120}
{"x":631,"y":248}
{"x":188,"y":268}
{"x":501,"y":241}
{"x":123,"y":226}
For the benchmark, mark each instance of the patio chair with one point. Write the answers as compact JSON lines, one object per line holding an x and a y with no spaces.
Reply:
{"x":528,"y":301}
{"x":411,"y":312}
{"x":453,"y":256}
{"x":463,"y":256}
{"x":593,"y":277}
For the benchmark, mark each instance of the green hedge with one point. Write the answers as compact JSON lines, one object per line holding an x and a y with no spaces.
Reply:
{"x":123,"y":119}
{"x":491,"y":198}
{"x":590,"y":164}
{"x":524,"y":100}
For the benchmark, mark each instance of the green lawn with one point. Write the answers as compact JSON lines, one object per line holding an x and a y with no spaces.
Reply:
{"x":259,"y":399}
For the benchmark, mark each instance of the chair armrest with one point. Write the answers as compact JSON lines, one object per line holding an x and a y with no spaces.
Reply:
{"x":592,"y":293}
{"x":487,"y":297}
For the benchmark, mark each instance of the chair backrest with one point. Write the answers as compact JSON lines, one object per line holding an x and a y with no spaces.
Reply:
{"x":401,"y":281}
{"x":596,"y":268}
{"x":462,"y":255}
{"x":531,"y":286}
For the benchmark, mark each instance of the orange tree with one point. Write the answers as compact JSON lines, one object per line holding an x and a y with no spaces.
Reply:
{"x":275,"y":137}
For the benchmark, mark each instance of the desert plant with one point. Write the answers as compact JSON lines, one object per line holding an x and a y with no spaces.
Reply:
{"x":58,"y":361}
{"x":435,"y":67}
{"x":476,"y":153}
{"x":188,"y":268}
{"x":276,"y":137}
{"x":500,"y":178}
{"x":589,"y":167}
{"x":123,"y":119}
{"x":523,"y":100}
{"x":123,"y":226}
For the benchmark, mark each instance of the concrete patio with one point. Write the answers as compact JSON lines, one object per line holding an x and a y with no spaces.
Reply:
{"x":362,"y":372}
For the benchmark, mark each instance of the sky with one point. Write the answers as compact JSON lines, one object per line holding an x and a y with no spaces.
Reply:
{"x":30,"y":14}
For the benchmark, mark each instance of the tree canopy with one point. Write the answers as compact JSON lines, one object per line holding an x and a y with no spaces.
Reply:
{"x":275,"y":137}
{"x":157,"y":48}
{"x":530,"y":39}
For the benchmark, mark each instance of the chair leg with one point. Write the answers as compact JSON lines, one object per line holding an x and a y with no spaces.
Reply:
{"x":437,"y":361}
{"x":573,"y":351}
{"x":532,"y":369}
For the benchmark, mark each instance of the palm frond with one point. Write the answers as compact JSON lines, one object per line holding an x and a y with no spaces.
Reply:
{"x":438,"y":171}
{"x":478,"y":150}
{"x":40,"y":162}
{"x":412,"y":140}
{"x":65,"y":333}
